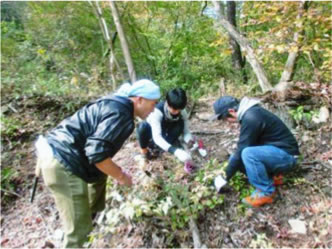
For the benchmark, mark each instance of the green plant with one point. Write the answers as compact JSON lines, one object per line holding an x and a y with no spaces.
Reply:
{"x":7,"y":183}
{"x":299,"y":114}
{"x":261,"y":241}
{"x":238,"y":183}
{"x":169,"y":201}
{"x":9,"y":126}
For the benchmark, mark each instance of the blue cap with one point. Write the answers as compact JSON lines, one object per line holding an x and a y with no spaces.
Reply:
{"x":222,"y":105}
{"x":142,"y":88}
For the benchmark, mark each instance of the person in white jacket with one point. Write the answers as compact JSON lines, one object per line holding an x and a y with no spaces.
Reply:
{"x":165,"y":125}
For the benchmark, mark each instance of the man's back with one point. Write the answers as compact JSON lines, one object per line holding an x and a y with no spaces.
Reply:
{"x":92,"y":134}
{"x":261,"y":127}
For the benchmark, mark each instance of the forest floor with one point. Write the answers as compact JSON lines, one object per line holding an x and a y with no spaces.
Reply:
{"x":304,"y":198}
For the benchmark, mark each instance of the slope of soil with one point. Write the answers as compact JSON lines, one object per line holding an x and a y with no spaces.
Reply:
{"x":305,"y":196}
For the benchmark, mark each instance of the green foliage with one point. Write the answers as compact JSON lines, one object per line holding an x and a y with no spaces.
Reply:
{"x":8,"y":176}
{"x":299,"y":114}
{"x":9,"y":126}
{"x":12,"y":11}
{"x":171,"y":201}
{"x":261,"y":241}
{"x":239,"y":184}
{"x":173,"y":45}
{"x":270,"y":26}
{"x":58,"y":48}
{"x":52,"y":50}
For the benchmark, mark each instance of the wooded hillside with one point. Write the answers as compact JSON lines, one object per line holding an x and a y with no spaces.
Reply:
{"x":80,"y":47}
{"x":58,"y":56}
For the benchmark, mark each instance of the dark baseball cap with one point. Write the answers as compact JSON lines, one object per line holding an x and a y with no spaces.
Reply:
{"x":222,"y":105}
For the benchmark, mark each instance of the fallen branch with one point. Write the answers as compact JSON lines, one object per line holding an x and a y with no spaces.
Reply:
{"x":195,"y":232}
{"x":208,"y":132}
{"x":318,"y":189}
{"x":12,"y":108}
{"x":12,"y":193}
{"x":323,"y":164}
{"x":318,"y":162}
{"x":191,"y":110}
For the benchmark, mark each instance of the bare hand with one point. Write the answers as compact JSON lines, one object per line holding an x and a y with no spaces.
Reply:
{"x":125,"y":180}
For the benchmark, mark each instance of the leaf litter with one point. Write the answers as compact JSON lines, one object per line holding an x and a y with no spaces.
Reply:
{"x":305,"y":196}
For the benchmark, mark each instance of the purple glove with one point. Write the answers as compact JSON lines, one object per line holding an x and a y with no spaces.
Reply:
{"x":189,"y":166}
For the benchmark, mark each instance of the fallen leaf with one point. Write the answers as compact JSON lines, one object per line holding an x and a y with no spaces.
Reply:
{"x":4,"y":241}
{"x":48,"y":244}
{"x":297,"y":226}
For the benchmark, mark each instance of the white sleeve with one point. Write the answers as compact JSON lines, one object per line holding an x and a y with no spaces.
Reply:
{"x":154,"y":120}
{"x":186,"y":132}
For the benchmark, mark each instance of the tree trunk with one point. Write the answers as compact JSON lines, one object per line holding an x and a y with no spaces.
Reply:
{"x":243,"y":42}
{"x":231,"y":17}
{"x":222,"y":87}
{"x":195,"y":233}
{"x":112,"y":60}
{"x":203,"y":9}
{"x":288,"y":72}
{"x":237,"y":59}
{"x":123,"y":42}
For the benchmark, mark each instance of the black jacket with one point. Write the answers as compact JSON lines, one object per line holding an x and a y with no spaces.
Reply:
{"x":95,"y":132}
{"x":261,"y":127}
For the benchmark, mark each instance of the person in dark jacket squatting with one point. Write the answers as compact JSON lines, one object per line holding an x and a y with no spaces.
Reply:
{"x":76,"y":157}
{"x":266,"y":147}
{"x":164,"y":126}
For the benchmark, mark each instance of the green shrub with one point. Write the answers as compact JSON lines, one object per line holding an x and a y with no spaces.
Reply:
{"x":9,"y":126}
{"x":8,"y":176}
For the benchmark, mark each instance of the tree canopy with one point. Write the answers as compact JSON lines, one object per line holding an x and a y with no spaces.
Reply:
{"x":59,"y":47}
{"x":59,"y":55}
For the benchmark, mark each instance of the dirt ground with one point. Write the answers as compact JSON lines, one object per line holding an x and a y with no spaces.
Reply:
{"x":305,"y":197}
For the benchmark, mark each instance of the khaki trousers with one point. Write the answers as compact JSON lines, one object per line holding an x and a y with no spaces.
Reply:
{"x":75,"y":200}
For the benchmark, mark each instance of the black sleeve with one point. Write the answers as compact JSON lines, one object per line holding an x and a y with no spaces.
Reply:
{"x":251,"y":127}
{"x":109,"y":134}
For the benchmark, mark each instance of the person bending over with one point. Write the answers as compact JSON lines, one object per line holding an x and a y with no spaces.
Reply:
{"x":76,"y":157}
{"x":164,"y":126}
{"x":266,"y":147}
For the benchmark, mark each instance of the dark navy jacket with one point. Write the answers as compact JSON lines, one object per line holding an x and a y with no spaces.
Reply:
{"x":95,"y":132}
{"x":261,"y":127}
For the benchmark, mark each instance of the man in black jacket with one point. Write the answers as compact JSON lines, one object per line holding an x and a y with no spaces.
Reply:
{"x":266,"y":147}
{"x":76,"y":156}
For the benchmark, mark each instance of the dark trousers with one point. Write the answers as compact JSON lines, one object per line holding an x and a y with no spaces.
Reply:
{"x":170,"y":132}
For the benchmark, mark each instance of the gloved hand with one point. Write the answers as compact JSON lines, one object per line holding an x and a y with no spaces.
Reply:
{"x":188,"y":138}
{"x":125,"y":179}
{"x":197,"y":144}
{"x":221,"y":184}
{"x":189,"y":166}
{"x":201,"y":148}
{"x":182,"y":155}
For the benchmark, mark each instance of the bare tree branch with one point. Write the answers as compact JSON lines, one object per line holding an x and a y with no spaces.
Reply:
{"x":244,"y":43}
{"x":123,"y":42}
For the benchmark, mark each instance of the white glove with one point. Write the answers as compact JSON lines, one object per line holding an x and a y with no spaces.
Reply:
{"x":182,"y":155}
{"x":188,"y":137}
{"x":219,"y":182}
